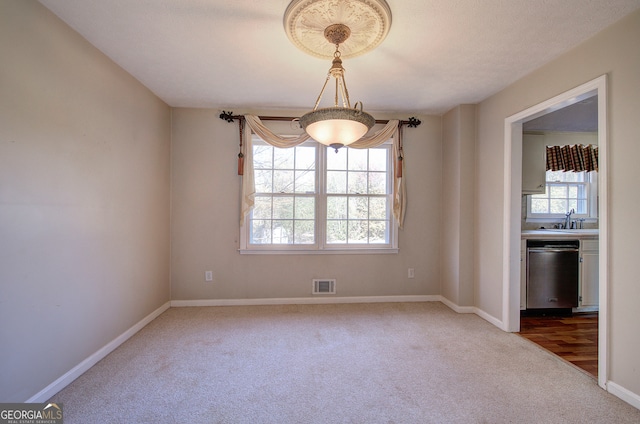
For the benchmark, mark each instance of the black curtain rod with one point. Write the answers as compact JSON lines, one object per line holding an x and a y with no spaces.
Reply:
{"x":230,"y":117}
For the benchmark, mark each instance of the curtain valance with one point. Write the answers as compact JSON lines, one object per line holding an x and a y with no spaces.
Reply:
{"x":392,"y":130}
{"x":574,"y":158}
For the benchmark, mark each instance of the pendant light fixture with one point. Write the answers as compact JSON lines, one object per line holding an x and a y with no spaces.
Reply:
{"x":305,"y":22}
{"x":337,"y":126}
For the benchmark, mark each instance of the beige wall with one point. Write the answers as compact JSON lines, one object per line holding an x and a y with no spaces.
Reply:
{"x":84,"y":200}
{"x":614,"y":52}
{"x":458,"y":200}
{"x":205,"y":222}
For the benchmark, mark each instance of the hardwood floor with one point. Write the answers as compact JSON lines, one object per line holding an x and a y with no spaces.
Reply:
{"x":573,"y":338}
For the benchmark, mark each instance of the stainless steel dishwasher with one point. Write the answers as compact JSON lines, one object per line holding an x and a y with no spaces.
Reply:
{"x":552,"y":274}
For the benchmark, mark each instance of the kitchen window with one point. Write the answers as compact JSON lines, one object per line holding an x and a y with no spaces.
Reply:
{"x":312,"y":199}
{"x":565,"y":191}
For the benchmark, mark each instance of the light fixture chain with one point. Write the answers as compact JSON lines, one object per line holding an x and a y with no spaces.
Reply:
{"x":322,"y":91}
{"x":345,"y":93}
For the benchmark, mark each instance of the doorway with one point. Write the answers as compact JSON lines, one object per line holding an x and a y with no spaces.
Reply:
{"x":512,"y":208}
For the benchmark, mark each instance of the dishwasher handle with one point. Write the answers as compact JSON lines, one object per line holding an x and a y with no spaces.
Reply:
{"x":553,"y":249}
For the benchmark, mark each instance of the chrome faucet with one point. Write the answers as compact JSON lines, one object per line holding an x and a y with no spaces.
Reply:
{"x":567,"y":219}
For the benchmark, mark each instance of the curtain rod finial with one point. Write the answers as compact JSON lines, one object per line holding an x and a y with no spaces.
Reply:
{"x":414,"y":122}
{"x":227,"y":116}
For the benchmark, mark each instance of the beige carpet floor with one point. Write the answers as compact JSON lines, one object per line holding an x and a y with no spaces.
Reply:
{"x":359,"y":363}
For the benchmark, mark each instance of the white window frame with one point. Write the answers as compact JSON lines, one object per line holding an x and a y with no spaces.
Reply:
{"x":320,"y":246}
{"x":591,"y":183}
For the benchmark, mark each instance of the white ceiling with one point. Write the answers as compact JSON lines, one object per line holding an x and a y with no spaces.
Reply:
{"x":235,"y":54}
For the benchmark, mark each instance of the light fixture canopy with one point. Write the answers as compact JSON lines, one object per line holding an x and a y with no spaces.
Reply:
{"x":306,"y":20}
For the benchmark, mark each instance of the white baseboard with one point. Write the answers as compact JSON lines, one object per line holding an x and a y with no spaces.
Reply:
{"x":304,"y":300}
{"x":333,"y":299}
{"x":459,"y":309}
{"x":628,"y":396}
{"x":490,"y":318}
{"x":83,"y":366}
{"x":473,"y":310}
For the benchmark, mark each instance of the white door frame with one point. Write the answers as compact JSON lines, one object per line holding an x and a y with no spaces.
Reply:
{"x":512,"y":209}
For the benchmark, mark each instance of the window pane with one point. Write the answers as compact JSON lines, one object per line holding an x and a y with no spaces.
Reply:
{"x":260,"y":231}
{"x":377,"y":208}
{"x":282,"y":232}
{"x":574,"y":176}
{"x":558,"y":206}
{"x":305,"y":182}
{"x":336,"y":232}
{"x":336,"y":182}
{"x":305,"y":208}
{"x":336,"y":207}
{"x":283,"y":158}
{"x":304,"y":232}
{"x":305,"y":157}
{"x":358,"y":208}
{"x":283,"y":181}
{"x":357,"y":159}
{"x":378,"y":159}
{"x":557,"y":192}
{"x":337,"y":160}
{"x":539,"y":205}
{"x":565,"y":177}
{"x":573,"y":191}
{"x":358,"y":231}
{"x":263,"y":181}
{"x":378,"y":232}
{"x":283,"y":208}
{"x":357,"y":183}
{"x":262,"y":157}
{"x":262,"y":208}
{"x":377,"y":183}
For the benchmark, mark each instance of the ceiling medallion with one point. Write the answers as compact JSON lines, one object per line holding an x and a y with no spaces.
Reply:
{"x":305,"y":22}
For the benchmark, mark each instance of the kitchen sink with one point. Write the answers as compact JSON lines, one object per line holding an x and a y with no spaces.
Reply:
{"x":588,"y":231}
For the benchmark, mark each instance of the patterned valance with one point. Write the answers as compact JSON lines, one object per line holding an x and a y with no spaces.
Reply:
{"x":574,"y":158}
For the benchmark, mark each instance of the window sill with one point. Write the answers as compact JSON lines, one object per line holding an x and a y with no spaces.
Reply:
{"x":380,"y":251}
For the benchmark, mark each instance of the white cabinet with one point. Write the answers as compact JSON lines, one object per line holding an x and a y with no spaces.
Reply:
{"x":523,"y":275}
{"x":534,"y":163}
{"x":589,"y":280}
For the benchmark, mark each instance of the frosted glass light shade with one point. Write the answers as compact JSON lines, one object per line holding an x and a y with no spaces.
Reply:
{"x":337,"y":126}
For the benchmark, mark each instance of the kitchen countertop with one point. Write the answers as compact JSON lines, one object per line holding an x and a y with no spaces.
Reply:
{"x":554,"y":234}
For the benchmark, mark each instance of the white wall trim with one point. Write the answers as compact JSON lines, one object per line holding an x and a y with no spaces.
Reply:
{"x":83,"y":366}
{"x":335,"y":300}
{"x":305,"y":300}
{"x":491,"y":319}
{"x":512,"y":210}
{"x":626,"y":395}
{"x":474,"y":310}
{"x":459,"y":309}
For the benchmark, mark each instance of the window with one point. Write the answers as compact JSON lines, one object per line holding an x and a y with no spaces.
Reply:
{"x":565,"y":191}
{"x":311,"y":199}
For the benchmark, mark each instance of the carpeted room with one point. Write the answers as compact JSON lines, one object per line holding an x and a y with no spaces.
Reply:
{"x":381,"y":362}
{"x":114,"y":203}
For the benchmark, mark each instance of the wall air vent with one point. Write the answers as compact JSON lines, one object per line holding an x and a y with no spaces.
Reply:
{"x":324,"y":286}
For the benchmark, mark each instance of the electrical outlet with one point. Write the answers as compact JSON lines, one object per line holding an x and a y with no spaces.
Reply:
{"x":411,"y":273}
{"x":208,"y":276}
